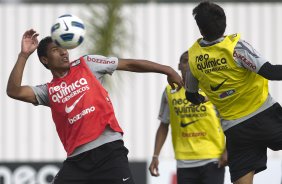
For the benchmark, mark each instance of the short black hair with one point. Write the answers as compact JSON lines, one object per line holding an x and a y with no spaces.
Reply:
{"x":210,"y":19}
{"x":42,"y":48}
{"x":184,"y":57}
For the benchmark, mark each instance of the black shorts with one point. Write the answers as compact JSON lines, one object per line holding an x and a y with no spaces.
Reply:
{"x":248,"y":141}
{"x":107,"y":164}
{"x":207,"y":174}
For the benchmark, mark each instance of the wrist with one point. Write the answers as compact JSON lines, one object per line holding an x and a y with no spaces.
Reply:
{"x":155,"y":156}
{"x":169,"y":70}
{"x":23,"y":55}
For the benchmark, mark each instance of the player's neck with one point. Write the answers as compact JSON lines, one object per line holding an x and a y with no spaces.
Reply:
{"x":60,"y":74}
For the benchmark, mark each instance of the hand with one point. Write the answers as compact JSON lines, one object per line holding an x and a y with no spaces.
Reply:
{"x":174,"y":78}
{"x":223,"y":160}
{"x":29,"y":42}
{"x":154,"y":170}
{"x":206,"y":99}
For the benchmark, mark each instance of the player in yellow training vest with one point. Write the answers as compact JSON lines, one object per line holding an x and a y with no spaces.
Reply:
{"x":234,"y":76}
{"x":197,"y":137}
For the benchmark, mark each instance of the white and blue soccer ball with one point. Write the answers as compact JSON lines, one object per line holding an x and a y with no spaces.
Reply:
{"x":68,"y":31}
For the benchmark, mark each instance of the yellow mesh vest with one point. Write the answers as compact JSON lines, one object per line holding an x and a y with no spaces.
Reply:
{"x":196,"y":130}
{"x":235,"y":91}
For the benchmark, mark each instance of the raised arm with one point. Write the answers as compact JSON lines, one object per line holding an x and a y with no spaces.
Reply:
{"x":192,"y":88}
{"x":14,"y":87}
{"x":135,"y":65}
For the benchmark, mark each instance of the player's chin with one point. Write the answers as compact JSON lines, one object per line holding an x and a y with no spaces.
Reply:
{"x":65,"y":65}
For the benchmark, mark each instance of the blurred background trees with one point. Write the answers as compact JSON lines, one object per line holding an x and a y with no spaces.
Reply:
{"x":107,"y":35}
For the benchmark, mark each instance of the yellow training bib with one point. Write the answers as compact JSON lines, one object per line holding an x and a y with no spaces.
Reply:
{"x":234,"y":90}
{"x":196,"y":130}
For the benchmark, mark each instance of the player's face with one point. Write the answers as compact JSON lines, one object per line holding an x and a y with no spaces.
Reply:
{"x":57,"y":57}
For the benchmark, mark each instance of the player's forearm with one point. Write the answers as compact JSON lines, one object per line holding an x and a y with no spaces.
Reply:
{"x":271,"y":72}
{"x":15,"y":79}
{"x":160,"y":139}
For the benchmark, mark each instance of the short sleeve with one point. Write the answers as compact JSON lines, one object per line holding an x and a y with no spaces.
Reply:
{"x":246,"y":56}
{"x":191,"y":84}
{"x":164,"y":110}
{"x":41,"y":94}
{"x":101,"y":65}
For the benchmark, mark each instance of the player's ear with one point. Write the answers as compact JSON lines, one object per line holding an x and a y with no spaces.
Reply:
{"x":43,"y":60}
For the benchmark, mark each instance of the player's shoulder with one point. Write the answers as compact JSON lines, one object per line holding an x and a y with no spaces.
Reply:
{"x":234,"y":36}
{"x":41,"y":88}
{"x":45,"y":85}
{"x":92,"y":60}
{"x":99,"y":59}
{"x":75,"y":62}
{"x":245,"y":47}
{"x":243,"y":44}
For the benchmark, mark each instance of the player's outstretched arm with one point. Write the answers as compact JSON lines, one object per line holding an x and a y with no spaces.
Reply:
{"x":14,"y":87}
{"x":137,"y":65}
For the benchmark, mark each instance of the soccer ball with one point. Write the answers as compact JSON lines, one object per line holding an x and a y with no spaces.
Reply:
{"x":68,"y":31}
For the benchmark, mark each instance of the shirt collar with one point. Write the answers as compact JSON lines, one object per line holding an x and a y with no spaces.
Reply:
{"x":205,"y":43}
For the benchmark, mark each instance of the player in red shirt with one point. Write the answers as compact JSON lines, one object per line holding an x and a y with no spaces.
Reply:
{"x":81,"y":108}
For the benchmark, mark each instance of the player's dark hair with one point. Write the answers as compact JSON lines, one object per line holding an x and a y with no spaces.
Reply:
{"x":184,"y":57}
{"x":210,"y":19}
{"x":42,"y":48}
